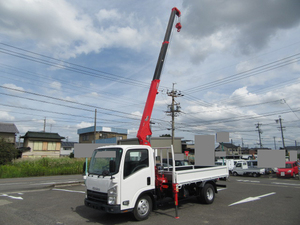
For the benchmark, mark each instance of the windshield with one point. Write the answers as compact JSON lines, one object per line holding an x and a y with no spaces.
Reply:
{"x":100,"y":161}
{"x":288,"y":165}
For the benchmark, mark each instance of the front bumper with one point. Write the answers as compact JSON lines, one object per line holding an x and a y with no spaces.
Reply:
{"x":103,"y":207}
{"x":284,"y":174}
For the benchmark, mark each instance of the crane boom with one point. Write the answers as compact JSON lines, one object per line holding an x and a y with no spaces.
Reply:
{"x":144,"y":129}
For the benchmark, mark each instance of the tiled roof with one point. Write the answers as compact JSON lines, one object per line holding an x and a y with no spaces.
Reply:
{"x":8,"y":128}
{"x":228,"y":145}
{"x":33,"y":134}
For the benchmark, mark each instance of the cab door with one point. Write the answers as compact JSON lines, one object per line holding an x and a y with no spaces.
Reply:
{"x":137,"y":177}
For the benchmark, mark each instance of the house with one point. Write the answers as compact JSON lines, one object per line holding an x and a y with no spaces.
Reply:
{"x":42,"y":144}
{"x":66,"y":148}
{"x":8,"y":132}
{"x":229,"y":148}
{"x":87,"y":135}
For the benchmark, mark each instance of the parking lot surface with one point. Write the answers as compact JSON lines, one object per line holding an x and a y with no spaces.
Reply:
{"x":245,"y":200}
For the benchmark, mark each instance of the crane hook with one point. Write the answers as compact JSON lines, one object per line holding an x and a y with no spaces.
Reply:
{"x":178,"y":26}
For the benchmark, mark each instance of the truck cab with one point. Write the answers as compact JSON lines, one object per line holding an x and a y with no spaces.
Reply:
{"x":118,"y":176}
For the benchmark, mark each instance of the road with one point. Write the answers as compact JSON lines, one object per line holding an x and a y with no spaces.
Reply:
{"x":246,"y":200}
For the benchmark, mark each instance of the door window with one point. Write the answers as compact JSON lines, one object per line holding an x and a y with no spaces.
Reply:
{"x":135,"y":160}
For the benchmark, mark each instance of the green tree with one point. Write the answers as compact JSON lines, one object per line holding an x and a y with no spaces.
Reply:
{"x":165,"y":135}
{"x":7,"y":152}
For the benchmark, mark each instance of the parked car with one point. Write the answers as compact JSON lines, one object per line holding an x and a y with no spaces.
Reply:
{"x":254,"y":164}
{"x":270,"y":170}
{"x":290,"y":170}
{"x":177,"y":162}
{"x":241,"y":168}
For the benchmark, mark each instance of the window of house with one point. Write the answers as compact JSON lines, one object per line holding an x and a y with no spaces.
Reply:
{"x":85,"y":137}
{"x":37,"y":145}
{"x":51,"y":146}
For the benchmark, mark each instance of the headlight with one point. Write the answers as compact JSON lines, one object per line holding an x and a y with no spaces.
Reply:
{"x":289,"y":171}
{"x":112,"y":196}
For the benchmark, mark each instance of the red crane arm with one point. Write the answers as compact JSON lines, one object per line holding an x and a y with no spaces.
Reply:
{"x":144,"y":129}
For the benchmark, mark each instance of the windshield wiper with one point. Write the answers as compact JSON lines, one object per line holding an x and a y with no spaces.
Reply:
{"x":105,"y":173}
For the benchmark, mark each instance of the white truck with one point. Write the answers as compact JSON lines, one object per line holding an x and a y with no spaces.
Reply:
{"x":227,"y":162}
{"x":124,"y":178}
{"x":241,"y":168}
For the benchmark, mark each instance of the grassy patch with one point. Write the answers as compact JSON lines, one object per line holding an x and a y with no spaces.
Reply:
{"x":42,"y":167}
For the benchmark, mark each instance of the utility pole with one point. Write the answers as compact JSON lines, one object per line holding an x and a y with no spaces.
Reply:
{"x":259,"y":133}
{"x":95,"y":124}
{"x":281,"y":128}
{"x":45,"y":124}
{"x":174,"y":108}
{"x":274,"y":143}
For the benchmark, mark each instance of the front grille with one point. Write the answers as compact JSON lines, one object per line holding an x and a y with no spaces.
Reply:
{"x":97,"y":196}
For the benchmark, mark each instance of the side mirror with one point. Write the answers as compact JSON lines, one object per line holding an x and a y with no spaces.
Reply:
{"x":112,"y":166}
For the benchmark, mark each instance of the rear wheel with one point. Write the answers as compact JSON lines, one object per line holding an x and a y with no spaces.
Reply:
{"x":235,"y":173}
{"x":143,"y":207}
{"x":207,"y":194}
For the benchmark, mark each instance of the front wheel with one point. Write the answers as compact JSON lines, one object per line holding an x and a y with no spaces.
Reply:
{"x":207,"y":194}
{"x":142,"y":208}
{"x":235,"y":173}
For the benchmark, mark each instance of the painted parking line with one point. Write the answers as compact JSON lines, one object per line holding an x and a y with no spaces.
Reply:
{"x":221,"y":189}
{"x":250,"y":181}
{"x":57,"y":189}
{"x":10,"y":196}
{"x":285,"y":184}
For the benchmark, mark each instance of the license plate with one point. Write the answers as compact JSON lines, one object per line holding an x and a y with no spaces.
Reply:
{"x":283,"y":174}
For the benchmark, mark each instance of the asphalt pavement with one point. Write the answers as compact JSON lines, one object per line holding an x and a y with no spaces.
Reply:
{"x":60,"y":200}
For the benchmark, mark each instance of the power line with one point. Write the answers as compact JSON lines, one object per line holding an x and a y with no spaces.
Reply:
{"x":255,"y":71}
{"x":64,"y":100}
{"x":68,"y":83}
{"x":80,"y":69}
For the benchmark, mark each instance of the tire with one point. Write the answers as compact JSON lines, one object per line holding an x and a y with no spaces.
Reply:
{"x":207,"y":194}
{"x":235,"y":173}
{"x":255,"y":175}
{"x":143,"y":207}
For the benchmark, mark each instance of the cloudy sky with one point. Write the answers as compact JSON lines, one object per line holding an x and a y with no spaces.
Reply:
{"x":235,"y":62}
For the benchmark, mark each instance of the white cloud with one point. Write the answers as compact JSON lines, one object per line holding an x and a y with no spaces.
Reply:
{"x":55,"y":85}
{"x":13,"y":87}
{"x":104,"y":14}
{"x":296,"y":67}
{"x":68,"y":31}
{"x":136,"y":114}
{"x":84,"y":125}
{"x":4,"y":116}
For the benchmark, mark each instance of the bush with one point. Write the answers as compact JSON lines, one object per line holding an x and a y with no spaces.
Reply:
{"x":8,"y":152}
{"x":42,"y":167}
